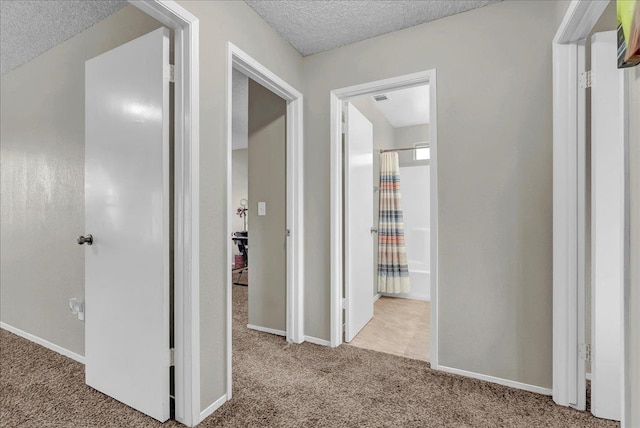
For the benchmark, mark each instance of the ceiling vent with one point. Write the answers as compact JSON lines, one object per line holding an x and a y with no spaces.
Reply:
{"x":380,"y":97}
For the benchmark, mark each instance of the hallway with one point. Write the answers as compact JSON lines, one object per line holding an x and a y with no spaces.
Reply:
{"x":279,"y":385}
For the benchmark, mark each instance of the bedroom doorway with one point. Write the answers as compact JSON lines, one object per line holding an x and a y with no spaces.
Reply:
{"x":264,"y":203}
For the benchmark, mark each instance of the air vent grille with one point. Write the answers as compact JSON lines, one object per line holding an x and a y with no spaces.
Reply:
{"x":380,"y":97}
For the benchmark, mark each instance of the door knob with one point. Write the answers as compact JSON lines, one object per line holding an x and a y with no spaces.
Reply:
{"x":85,"y":240}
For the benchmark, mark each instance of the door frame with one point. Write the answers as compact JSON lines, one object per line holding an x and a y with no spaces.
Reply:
{"x":243,"y":62}
{"x":569,"y":208}
{"x":337,"y":96}
{"x":186,"y":203}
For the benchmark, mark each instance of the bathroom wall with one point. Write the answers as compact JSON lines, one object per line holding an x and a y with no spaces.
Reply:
{"x":408,"y":136}
{"x":415,"y":189}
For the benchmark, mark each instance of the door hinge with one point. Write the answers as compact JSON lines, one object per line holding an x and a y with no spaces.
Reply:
{"x":172,"y":357}
{"x":584,"y":79}
{"x":344,"y":303}
{"x":170,"y":73}
{"x":584,"y":351}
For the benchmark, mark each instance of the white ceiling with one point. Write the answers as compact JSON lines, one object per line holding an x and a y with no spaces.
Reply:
{"x":29,"y":28}
{"x":316,"y":26}
{"x":405,"y":107}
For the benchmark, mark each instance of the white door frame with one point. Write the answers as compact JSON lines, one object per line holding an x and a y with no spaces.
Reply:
{"x":569,"y":179}
{"x":186,"y":204}
{"x":337,"y":97}
{"x":241,"y":61}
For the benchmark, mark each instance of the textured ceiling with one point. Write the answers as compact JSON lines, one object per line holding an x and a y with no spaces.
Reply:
{"x":29,"y":28}
{"x":316,"y":26}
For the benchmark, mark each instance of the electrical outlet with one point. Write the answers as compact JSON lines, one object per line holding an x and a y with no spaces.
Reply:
{"x":76,"y":306}
{"x":262,"y":208}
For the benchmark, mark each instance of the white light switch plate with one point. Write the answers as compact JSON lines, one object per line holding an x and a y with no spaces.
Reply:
{"x":262,"y":208}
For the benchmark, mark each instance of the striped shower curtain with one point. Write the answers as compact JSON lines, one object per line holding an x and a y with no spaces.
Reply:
{"x":393,"y":270}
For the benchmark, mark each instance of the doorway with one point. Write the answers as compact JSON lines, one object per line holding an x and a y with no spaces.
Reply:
{"x":259,"y":192}
{"x":391,"y":195}
{"x":355,"y":252}
{"x":258,"y":209}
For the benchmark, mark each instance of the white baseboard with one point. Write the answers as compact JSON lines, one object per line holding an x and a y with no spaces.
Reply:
{"x":376,"y":297}
{"x":212,"y":408}
{"x":410,"y":296}
{"x":267,"y":330}
{"x":35,"y":339}
{"x":317,"y":341}
{"x":499,"y":381}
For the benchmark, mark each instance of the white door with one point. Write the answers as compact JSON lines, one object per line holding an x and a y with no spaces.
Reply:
{"x":607,"y":223}
{"x":358,"y":211}
{"x":127,"y":213}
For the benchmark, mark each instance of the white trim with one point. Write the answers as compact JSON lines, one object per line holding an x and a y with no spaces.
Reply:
{"x":317,"y":341}
{"x":498,"y":380}
{"x":187,"y":203}
{"x":626,"y":286}
{"x":241,"y":61}
{"x":267,"y":330}
{"x":42,"y":342}
{"x":376,"y":297}
{"x":569,"y":255}
{"x":337,"y":234}
{"x":213,"y":407}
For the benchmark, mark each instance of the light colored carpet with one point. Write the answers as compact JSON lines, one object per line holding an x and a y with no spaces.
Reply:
{"x":276,"y":385}
{"x":399,"y":327}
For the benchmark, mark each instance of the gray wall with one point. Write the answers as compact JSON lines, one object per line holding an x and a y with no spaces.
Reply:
{"x":495,"y":132}
{"x":42,"y":181}
{"x":220,"y":22}
{"x":267,"y":183}
{"x":633,"y":334}
{"x":240,"y":105}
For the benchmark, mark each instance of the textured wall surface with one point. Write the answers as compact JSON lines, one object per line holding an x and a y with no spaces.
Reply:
{"x":29,"y":28}
{"x":267,"y":183}
{"x":42,"y":181}
{"x":494,"y":171}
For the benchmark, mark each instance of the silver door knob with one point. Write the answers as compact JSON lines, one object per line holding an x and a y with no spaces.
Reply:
{"x":85,"y":240}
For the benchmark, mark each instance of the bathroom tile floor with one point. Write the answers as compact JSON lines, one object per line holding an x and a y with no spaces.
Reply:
{"x":399,"y":327}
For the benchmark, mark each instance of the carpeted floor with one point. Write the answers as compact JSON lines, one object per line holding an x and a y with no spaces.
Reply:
{"x":276,"y":385}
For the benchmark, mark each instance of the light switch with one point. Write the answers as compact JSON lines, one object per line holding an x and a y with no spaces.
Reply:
{"x":262,"y":208}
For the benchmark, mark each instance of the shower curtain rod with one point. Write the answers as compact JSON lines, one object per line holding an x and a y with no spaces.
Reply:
{"x":425,"y":146}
